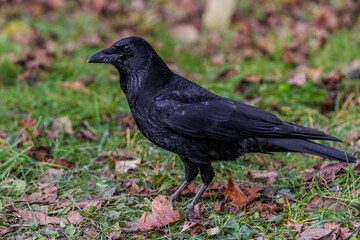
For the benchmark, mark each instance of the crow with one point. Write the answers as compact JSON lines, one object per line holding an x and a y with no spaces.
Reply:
{"x":198,"y":125}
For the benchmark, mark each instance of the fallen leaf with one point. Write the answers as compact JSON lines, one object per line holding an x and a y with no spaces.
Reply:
{"x":31,"y":125}
{"x":63,"y":123}
{"x":87,"y":134}
{"x":357,"y":167}
{"x":226,"y":74}
{"x":162,"y":214}
{"x":91,"y":233}
{"x":52,"y":135}
{"x":4,"y":231}
{"x":42,"y":153}
{"x":114,"y":236}
{"x":296,"y":53}
{"x":332,"y":225}
{"x":266,"y":210}
{"x":213,"y":231}
{"x":46,"y":196}
{"x":43,"y":219}
{"x":195,"y":228}
{"x":123,"y":161}
{"x":185,"y":32}
{"x":134,"y":189}
{"x":226,"y":208}
{"x":269,"y":176}
{"x":218,"y":189}
{"x":332,"y":78}
{"x":298,"y":80}
{"x":84,"y":204}
{"x":332,"y":204}
{"x":328,"y":171}
{"x":315,"y":74}
{"x":326,"y":19}
{"x":90,"y":40}
{"x":353,"y":137}
{"x":236,"y":195}
{"x":314,"y":234}
{"x":75,"y":85}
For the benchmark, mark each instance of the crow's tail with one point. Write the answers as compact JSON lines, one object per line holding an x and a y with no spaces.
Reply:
{"x":305,"y":146}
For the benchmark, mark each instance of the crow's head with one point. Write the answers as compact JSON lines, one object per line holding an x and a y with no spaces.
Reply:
{"x":128,"y":54}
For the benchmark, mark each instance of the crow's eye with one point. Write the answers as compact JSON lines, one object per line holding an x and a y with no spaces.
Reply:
{"x":127,"y":48}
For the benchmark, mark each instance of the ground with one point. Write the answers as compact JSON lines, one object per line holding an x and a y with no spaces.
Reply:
{"x":66,"y":132}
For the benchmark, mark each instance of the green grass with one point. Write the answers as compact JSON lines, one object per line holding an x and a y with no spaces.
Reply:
{"x":45,"y":100}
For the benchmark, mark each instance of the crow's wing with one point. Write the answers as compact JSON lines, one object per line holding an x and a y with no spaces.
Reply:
{"x":225,"y":119}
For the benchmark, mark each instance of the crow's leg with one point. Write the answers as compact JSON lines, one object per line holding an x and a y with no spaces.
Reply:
{"x":191,"y":171}
{"x":207,"y":175}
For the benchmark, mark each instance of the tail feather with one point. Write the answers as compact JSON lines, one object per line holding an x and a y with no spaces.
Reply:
{"x":305,"y":146}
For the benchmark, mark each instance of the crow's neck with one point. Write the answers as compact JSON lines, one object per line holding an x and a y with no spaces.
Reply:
{"x":151,"y":77}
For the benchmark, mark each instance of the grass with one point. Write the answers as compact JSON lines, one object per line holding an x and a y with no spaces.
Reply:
{"x":45,"y":100}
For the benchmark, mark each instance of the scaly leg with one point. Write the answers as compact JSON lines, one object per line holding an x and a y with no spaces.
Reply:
{"x":191,"y":171}
{"x":207,"y":175}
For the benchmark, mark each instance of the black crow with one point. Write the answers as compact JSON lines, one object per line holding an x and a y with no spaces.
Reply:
{"x":185,"y":118}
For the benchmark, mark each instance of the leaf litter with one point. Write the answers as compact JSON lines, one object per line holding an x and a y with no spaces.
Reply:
{"x":162,"y":215}
{"x":43,"y":219}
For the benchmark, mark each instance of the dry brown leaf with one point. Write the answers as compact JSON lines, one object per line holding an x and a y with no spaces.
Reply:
{"x":236,"y":195}
{"x":134,"y":189}
{"x":92,"y":233}
{"x":353,"y":137}
{"x":31,"y":125}
{"x":298,"y":80}
{"x":315,"y":74}
{"x":46,"y":196}
{"x":325,"y":202}
{"x":84,"y":204}
{"x":123,"y":161}
{"x":224,"y":207}
{"x":266,"y":210}
{"x":63,"y":123}
{"x":52,"y":135}
{"x":93,"y":40}
{"x":357,"y":167}
{"x":87,"y":134}
{"x":75,"y":85}
{"x":270,"y":176}
{"x":42,"y":153}
{"x":332,"y":78}
{"x":314,"y":234}
{"x":114,"y":236}
{"x":328,"y":171}
{"x":195,"y":228}
{"x":162,"y":214}
{"x":218,"y":189}
{"x":4,"y":231}
{"x":296,"y":53}
{"x":43,"y":219}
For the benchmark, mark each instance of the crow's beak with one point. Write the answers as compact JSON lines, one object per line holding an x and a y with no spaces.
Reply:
{"x":101,"y":57}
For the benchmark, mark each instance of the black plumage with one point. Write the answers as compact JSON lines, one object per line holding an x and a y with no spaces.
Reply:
{"x":181,"y":116}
